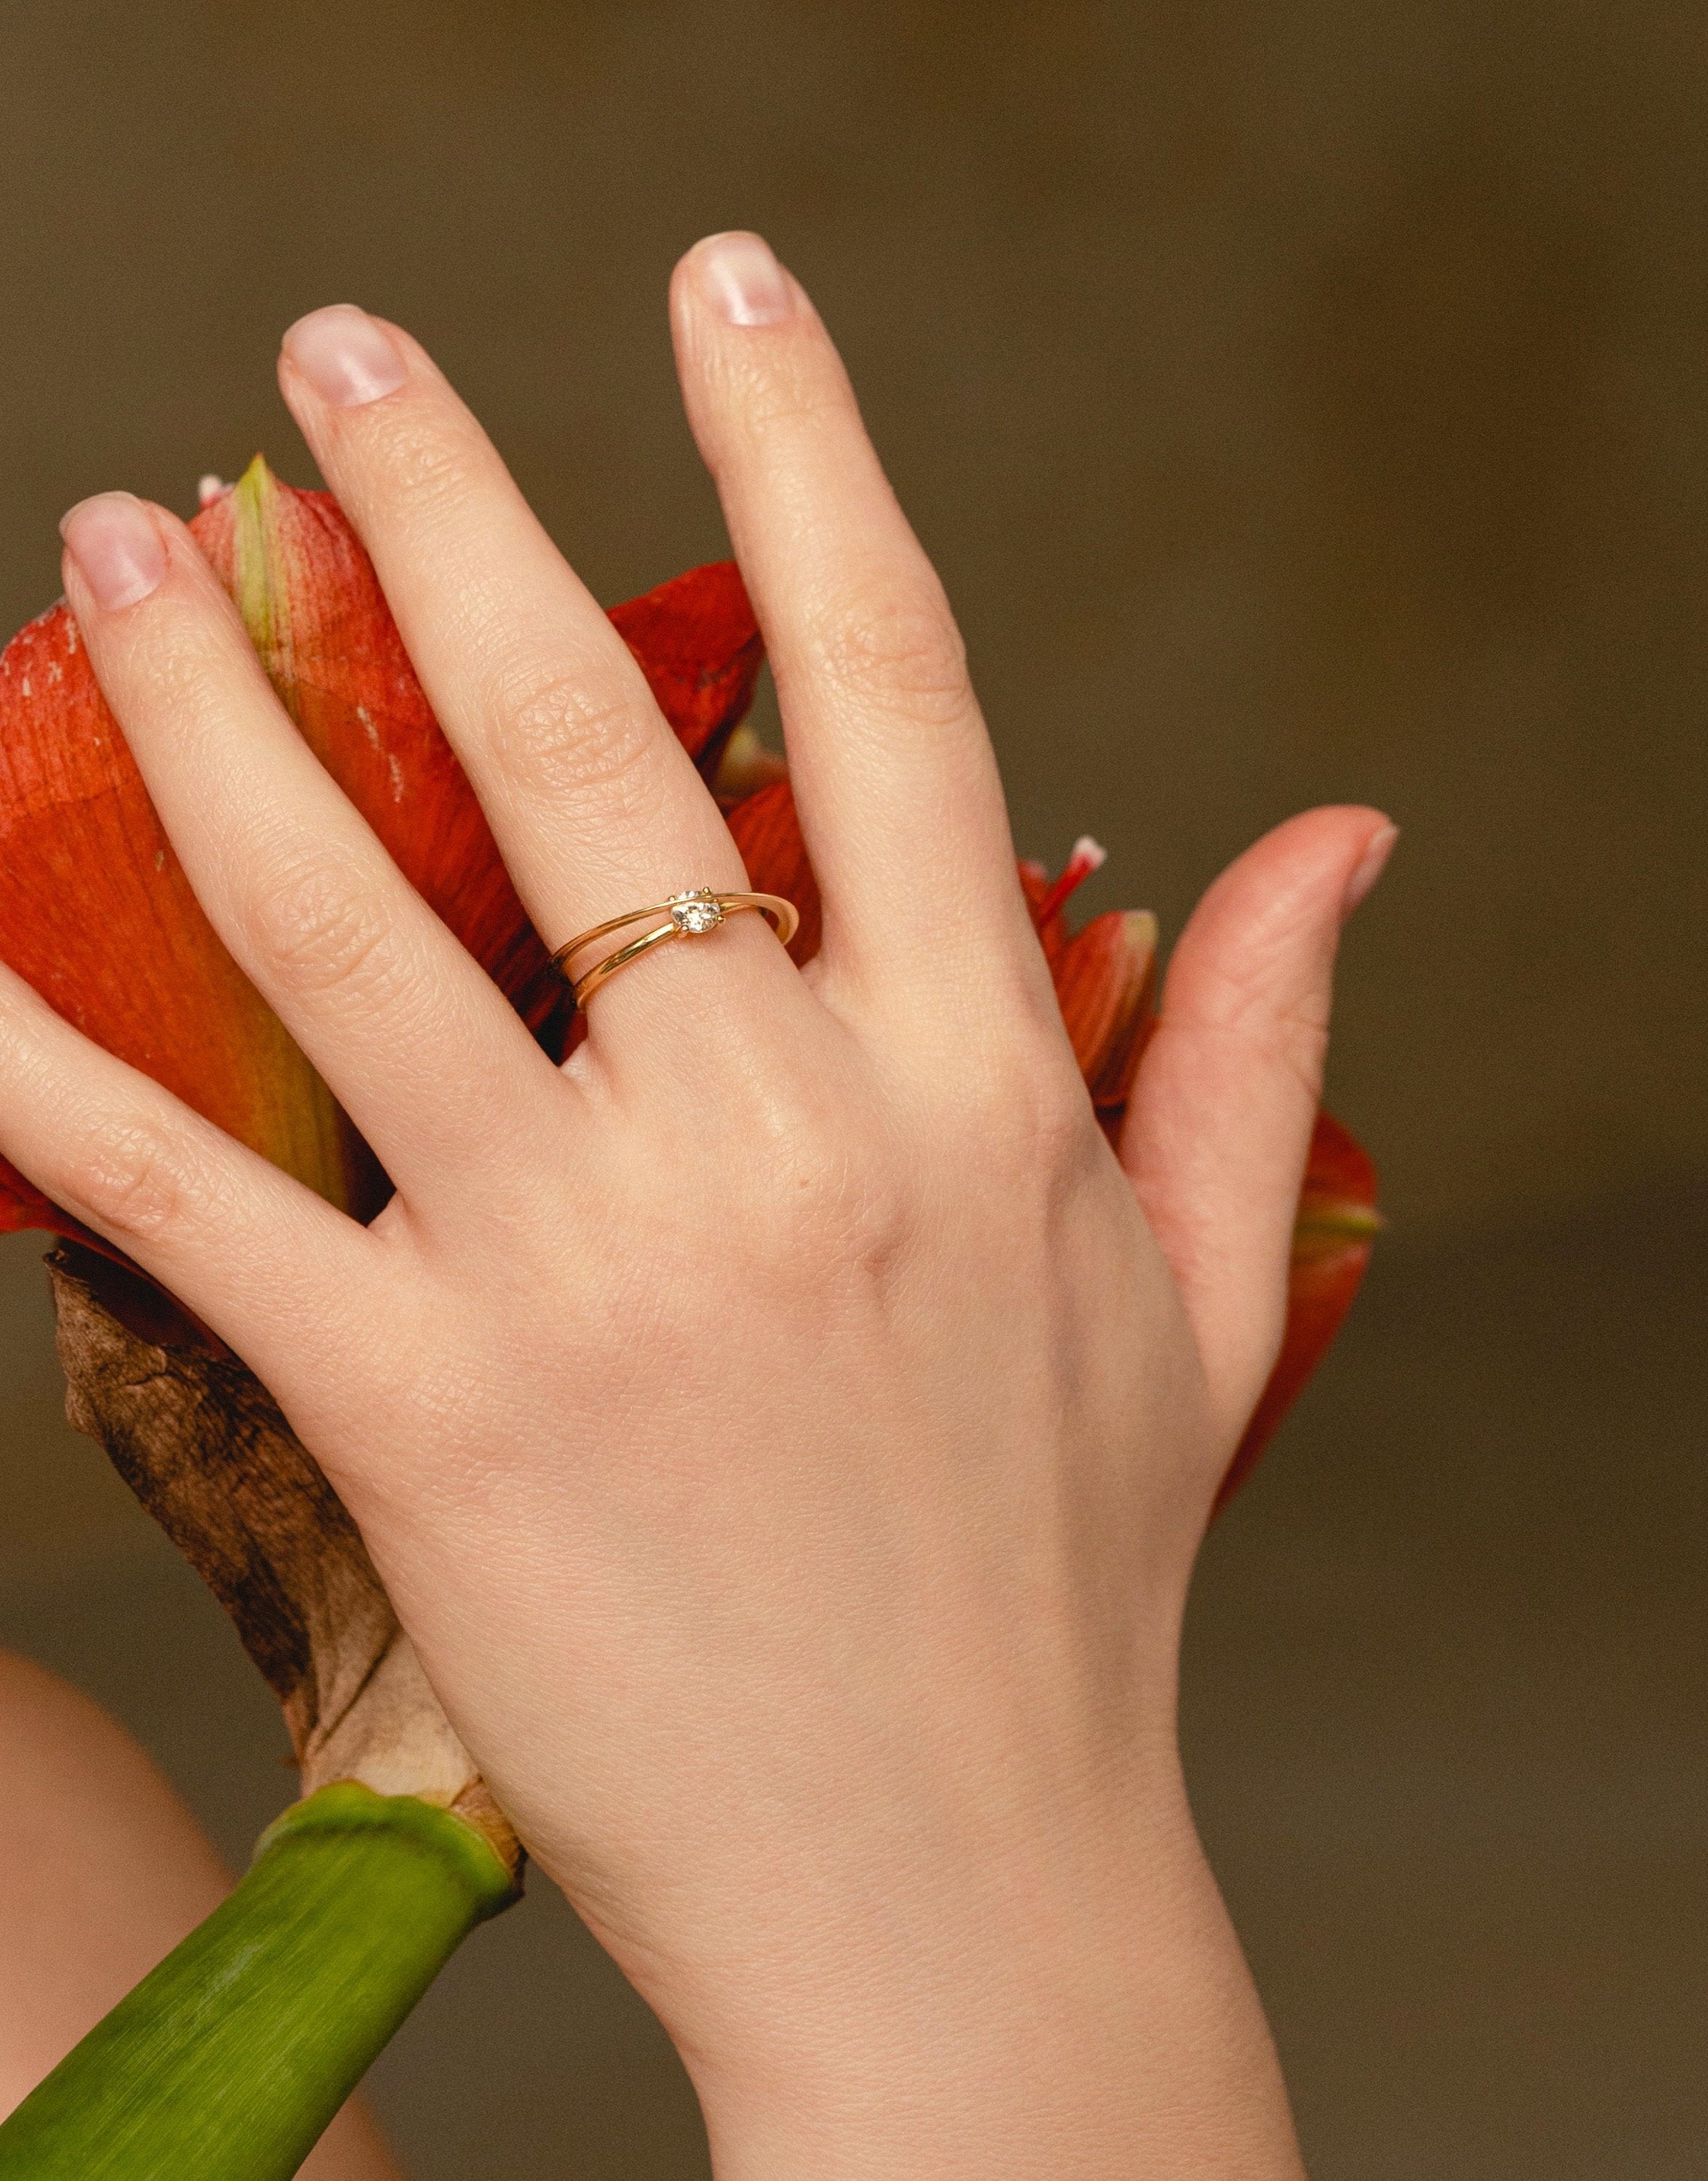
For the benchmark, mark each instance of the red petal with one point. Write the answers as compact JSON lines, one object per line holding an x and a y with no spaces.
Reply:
{"x":97,"y":914}
{"x":1085,"y":857}
{"x":1337,"y":1224}
{"x":1053,"y":934}
{"x":1339,"y":1178}
{"x":768,"y":834}
{"x":22,"y":1204}
{"x":1106,"y":983}
{"x":699,"y":647}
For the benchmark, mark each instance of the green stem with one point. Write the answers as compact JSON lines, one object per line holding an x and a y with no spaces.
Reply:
{"x":227,"y":2061}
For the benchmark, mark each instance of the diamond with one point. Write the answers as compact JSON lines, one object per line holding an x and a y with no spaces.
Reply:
{"x":694,"y":913}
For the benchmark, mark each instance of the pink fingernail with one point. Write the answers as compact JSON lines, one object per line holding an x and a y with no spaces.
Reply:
{"x":743,"y":281}
{"x":345,"y":356}
{"x":1370,"y":867}
{"x":117,"y":548}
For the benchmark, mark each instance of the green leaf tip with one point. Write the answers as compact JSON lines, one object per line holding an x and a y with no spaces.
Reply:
{"x":228,"y":2060}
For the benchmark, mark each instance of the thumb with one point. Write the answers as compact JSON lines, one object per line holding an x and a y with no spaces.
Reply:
{"x":1219,"y":1121}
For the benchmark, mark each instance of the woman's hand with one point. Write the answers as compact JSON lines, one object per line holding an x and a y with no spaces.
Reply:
{"x":786,"y":1430}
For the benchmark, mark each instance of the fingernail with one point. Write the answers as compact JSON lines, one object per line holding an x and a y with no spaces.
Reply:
{"x":743,"y":281}
{"x":344,"y":357}
{"x":118,"y":549}
{"x":1370,"y":867}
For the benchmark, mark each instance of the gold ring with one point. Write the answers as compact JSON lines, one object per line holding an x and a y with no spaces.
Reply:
{"x":686,"y":916}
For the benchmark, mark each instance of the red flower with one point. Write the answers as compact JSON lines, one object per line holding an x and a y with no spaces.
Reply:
{"x":96,"y":912}
{"x":1337,"y":1224}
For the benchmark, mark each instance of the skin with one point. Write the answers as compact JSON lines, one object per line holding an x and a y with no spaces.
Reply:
{"x":103,"y":1871}
{"x":787,"y":1430}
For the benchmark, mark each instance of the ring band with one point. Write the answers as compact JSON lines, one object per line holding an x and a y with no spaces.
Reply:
{"x":686,"y":916}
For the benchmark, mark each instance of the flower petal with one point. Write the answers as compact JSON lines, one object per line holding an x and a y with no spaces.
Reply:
{"x":767,"y":832}
{"x":23,"y":1205}
{"x":1337,"y":1224}
{"x":1106,"y":981}
{"x":699,"y":645}
{"x":96,"y":914}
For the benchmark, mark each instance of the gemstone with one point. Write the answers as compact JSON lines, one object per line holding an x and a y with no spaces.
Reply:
{"x":693,"y":913}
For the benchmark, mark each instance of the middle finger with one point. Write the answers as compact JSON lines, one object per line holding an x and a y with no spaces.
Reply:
{"x":596,"y":806}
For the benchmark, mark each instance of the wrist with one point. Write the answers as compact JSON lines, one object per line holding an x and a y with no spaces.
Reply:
{"x":1080,"y":2010}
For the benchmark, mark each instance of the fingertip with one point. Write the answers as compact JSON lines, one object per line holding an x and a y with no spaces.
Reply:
{"x":344,"y":356}
{"x":749,"y":346}
{"x":117,"y":550}
{"x":1303,"y":870}
{"x":736,"y":277}
{"x":1315,"y":840}
{"x":1379,"y":846}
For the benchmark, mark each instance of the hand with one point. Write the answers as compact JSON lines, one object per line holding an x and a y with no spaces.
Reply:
{"x":785,"y":1431}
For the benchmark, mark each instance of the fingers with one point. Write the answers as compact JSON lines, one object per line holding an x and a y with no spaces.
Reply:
{"x":594,"y":805}
{"x":894,"y":771}
{"x":416,"y":1042}
{"x":268,"y":1264}
{"x":1219,"y":1122}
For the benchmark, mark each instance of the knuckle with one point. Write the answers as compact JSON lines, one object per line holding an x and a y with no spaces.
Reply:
{"x":1289,"y":1032}
{"x":904,"y":654}
{"x":319,"y":928}
{"x":1024,"y":1110}
{"x":132,"y":1182}
{"x":824,"y":1198}
{"x":560,"y":736}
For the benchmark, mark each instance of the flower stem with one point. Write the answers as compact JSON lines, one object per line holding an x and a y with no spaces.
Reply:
{"x":230,"y":2059}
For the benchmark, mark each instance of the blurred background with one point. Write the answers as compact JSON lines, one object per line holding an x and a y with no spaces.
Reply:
{"x":1302,"y":402}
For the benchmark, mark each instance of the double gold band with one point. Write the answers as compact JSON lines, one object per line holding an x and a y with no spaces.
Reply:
{"x":686,"y":916}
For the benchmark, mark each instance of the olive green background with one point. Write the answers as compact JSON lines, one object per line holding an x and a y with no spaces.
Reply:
{"x":1302,"y":402}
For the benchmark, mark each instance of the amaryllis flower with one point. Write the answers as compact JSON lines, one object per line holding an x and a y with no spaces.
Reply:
{"x":96,"y":912}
